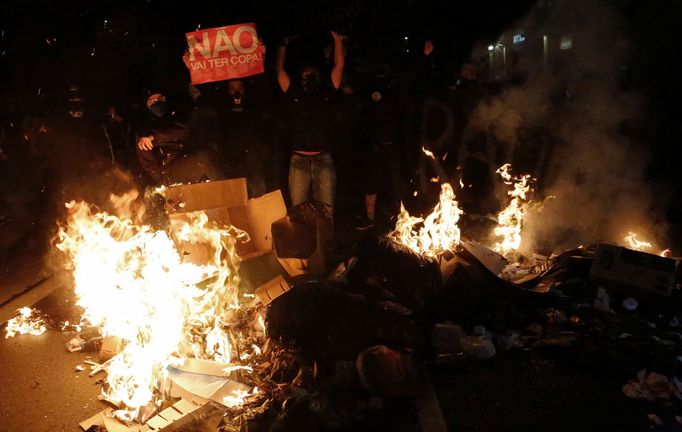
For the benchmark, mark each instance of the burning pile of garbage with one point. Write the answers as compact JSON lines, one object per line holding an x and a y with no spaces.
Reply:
{"x":165,"y":315}
{"x":195,"y":319}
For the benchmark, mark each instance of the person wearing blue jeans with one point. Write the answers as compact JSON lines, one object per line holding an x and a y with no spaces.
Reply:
{"x":314,"y":172}
{"x":310,"y":103}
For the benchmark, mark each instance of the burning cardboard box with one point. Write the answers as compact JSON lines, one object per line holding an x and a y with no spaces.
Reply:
{"x":629,"y":269}
{"x":226,"y":202}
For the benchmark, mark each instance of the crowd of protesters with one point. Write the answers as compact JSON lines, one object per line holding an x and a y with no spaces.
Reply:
{"x":310,"y":128}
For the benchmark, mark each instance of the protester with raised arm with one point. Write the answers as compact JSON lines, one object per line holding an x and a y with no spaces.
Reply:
{"x":310,"y":100}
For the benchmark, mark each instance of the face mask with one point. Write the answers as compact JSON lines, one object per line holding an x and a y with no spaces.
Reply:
{"x":159,"y":108}
{"x":311,"y":83}
{"x":237,"y":99}
{"x":77,"y":113}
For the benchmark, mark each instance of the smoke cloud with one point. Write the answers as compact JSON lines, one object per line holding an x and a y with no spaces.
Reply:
{"x":588,"y":160}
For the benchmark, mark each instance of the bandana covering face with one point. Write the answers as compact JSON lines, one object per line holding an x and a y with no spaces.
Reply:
{"x":156,"y":97}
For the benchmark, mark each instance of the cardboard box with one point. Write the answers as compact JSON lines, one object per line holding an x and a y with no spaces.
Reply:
{"x":199,"y":388}
{"x":627,"y":268}
{"x":272,"y":289}
{"x":301,"y":240}
{"x":225,"y":202}
{"x":490,"y":259}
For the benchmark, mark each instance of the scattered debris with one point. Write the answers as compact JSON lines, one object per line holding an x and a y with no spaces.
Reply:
{"x":388,"y":372}
{"x":650,"y":386}
{"x":27,"y":321}
{"x":477,"y":347}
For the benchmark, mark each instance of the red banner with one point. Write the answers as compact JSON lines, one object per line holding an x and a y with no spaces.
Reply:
{"x":224,"y":53}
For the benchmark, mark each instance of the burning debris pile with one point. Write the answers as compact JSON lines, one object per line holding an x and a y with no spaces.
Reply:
{"x":437,"y":233}
{"x":209,"y":320}
{"x":133,"y":286}
{"x":27,"y":321}
{"x":594,"y":303}
{"x":510,"y":220}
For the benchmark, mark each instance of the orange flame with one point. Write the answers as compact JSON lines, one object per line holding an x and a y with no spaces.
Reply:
{"x":635,"y":243}
{"x":434,"y":235}
{"x":132,"y":283}
{"x":26,"y":322}
{"x":510,"y":220}
{"x":429,"y":153}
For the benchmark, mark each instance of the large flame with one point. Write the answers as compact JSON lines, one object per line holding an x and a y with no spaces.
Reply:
{"x":636,"y":242}
{"x":510,"y":220}
{"x":27,"y":321}
{"x":132,"y":283}
{"x":434,"y":235}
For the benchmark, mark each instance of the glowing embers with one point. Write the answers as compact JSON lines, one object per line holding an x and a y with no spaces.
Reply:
{"x":435,"y":234}
{"x":131,"y":282}
{"x":510,"y":220}
{"x":27,"y":321}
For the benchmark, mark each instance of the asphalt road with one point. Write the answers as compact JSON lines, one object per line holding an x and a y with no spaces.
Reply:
{"x":40,"y":389}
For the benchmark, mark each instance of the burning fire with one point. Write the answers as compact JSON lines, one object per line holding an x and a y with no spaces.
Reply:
{"x":434,"y":235}
{"x":635,"y":243}
{"x":428,"y":153}
{"x":26,"y":322}
{"x":510,"y":220}
{"x":132,"y":283}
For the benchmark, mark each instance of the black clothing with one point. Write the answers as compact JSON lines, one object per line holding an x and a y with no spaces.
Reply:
{"x":241,"y":133}
{"x":173,"y":158}
{"x":311,"y":118}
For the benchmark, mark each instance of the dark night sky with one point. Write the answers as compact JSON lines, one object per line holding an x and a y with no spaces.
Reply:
{"x":154,"y":30}
{"x":143,"y":40}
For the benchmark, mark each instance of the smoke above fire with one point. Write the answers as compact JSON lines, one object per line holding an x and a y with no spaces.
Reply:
{"x":572,"y":126}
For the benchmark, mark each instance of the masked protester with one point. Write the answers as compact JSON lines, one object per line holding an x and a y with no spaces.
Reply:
{"x":202,"y":119}
{"x":243,"y":137}
{"x":164,"y":148}
{"x":75,"y":131}
{"x":310,"y":100}
{"x":383,"y":128}
{"x":72,"y":153}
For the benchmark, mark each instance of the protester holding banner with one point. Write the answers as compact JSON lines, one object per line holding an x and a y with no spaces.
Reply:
{"x":310,"y":100}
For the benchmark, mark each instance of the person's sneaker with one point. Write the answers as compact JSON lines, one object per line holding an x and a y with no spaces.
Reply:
{"x":364,"y":223}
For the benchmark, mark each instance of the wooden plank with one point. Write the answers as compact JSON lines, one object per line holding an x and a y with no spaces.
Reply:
{"x":170,"y":414}
{"x":185,"y":407}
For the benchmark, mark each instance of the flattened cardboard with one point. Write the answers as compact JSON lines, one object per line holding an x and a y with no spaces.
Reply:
{"x":184,"y":406}
{"x":262,"y":212}
{"x":208,"y":195}
{"x":112,"y":424}
{"x":204,"y":367}
{"x":157,"y":422}
{"x":170,"y":414}
{"x":226,"y":202}
{"x":95,"y":420}
{"x":199,"y":389}
{"x":294,"y":266}
{"x":273,"y":289}
{"x":489,"y":258}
